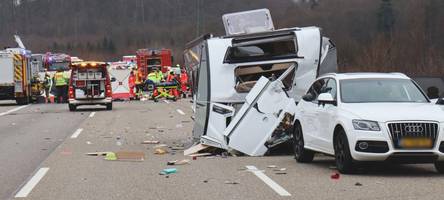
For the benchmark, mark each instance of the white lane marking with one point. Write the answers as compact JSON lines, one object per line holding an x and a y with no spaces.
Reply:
{"x":13,"y":110}
{"x":77,"y":133}
{"x":92,"y":114}
{"x":27,"y":188}
{"x":166,"y":101}
{"x":267,"y":180}
{"x":180,"y":111}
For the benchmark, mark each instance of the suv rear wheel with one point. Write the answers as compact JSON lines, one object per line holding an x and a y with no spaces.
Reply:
{"x":343,"y":158}
{"x":439,"y":166}
{"x":72,"y":107}
{"x":301,"y":154}
{"x":109,"y":106}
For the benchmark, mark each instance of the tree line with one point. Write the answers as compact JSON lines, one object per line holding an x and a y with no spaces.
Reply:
{"x":377,"y":35}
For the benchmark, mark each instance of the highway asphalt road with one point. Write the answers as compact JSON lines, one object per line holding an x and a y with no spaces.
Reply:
{"x":65,"y":172}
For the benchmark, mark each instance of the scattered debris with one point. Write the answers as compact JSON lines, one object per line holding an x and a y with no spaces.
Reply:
{"x":118,"y":142}
{"x":271,"y":166}
{"x":200,"y":155}
{"x":180,"y":162}
{"x":332,"y":167}
{"x":150,"y":142}
{"x":160,"y":151}
{"x":100,"y":153}
{"x":88,"y":142}
{"x":280,"y":173}
{"x":125,"y":156}
{"x":168,"y":171}
{"x":335,"y":176}
{"x":358,"y":184}
{"x":47,"y":138}
{"x":231,"y":182}
{"x":280,"y":170}
{"x":195,"y":149}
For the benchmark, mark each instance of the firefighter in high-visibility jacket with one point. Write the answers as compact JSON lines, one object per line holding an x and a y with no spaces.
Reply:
{"x":183,"y":83}
{"x":61,"y":83}
{"x":139,"y":83}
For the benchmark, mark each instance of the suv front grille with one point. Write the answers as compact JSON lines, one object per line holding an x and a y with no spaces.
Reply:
{"x":401,"y":130}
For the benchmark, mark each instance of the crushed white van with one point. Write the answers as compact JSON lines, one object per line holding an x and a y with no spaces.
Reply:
{"x":246,"y":84}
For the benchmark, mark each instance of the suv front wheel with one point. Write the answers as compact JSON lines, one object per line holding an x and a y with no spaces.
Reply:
{"x":301,"y":154}
{"x":344,"y":160}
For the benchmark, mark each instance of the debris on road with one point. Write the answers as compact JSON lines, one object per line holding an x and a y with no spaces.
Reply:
{"x":195,"y":149}
{"x":179,"y":162}
{"x":125,"y":156}
{"x":161,"y":149}
{"x":358,"y":184}
{"x":271,"y":166}
{"x":168,"y":171}
{"x":231,"y":182}
{"x":281,"y":173}
{"x":100,"y":153}
{"x":150,"y":142}
{"x":335,"y":176}
{"x":200,"y":155}
{"x":280,"y":170}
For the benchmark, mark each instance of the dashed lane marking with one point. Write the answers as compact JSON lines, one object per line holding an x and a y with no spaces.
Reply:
{"x":92,"y":114}
{"x":77,"y":133}
{"x":27,"y":188}
{"x":13,"y":110}
{"x":180,"y":111}
{"x":267,"y":180}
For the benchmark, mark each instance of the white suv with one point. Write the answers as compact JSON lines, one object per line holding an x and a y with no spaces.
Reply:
{"x":359,"y":117}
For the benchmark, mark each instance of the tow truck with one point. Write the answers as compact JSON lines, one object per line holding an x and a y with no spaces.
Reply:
{"x":247,"y":83}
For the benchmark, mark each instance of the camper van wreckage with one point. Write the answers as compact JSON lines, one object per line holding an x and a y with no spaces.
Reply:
{"x":247,"y":84}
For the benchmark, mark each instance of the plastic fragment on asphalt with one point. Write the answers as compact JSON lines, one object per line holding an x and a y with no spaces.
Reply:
{"x":100,"y":153}
{"x":179,"y":162}
{"x":281,"y":169}
{"x":168,"y":171}
{"x":110,"y":156}
{"x":150,"y":142}
{"x":358,"y":184}
{"x":271,"y":166}
{"x":195,"y":149}
{"x":200,"y":155}
{"x":231,"y":182}
{"x":335,"y":176}
{"x":281,"y":173}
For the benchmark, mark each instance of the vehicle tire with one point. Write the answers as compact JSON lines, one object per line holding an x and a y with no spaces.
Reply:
{"x":344,"y":161}
{"x":301,"y":154}
{"x":22,"y":101}
{"x":72,"y":107}
{"x":109,"y":106}
{"x":439,"y":166}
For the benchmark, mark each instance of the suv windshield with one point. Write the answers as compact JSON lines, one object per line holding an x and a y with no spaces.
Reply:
{"x":380,"y":90}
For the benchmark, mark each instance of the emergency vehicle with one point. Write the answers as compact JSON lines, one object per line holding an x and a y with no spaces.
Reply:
{"x":148,"y":59}
{"x":90,"y":84}
{"x":56,"y":61}
{"x":120,"y":72}
{"x":16,"y":74}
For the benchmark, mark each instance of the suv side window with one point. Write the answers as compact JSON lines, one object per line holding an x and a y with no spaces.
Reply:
{"x":316,"y":88}
{"x":330,"y":87}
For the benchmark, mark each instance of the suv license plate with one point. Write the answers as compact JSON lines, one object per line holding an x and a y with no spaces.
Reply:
{"x":416,"y":143}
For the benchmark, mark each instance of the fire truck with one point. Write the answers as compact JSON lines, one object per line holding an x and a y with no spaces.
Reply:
{"x":55,"y":61}
{"x":16,"y":74}
{"x":148,"y":59}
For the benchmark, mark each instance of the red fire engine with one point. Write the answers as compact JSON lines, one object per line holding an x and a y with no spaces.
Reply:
{"x":148,"y":59}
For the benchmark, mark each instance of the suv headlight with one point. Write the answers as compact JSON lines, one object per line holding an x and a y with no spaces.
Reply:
{"x":365,"y":125}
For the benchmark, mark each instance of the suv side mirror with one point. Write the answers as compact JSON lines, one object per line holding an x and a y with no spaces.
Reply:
{"x":113,"y":79}
{"x":326,"y":98}
{"x":308,"y":97}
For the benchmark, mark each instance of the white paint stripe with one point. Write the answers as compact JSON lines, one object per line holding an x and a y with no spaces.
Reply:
{"x":166,"y":101}
{"x":267,"y":180}
{"x":77,"y":133}
{"x":180,"y":111}
{"x":92,"y":114}
{"x":13,"y":110}
{"x":27,"y":188}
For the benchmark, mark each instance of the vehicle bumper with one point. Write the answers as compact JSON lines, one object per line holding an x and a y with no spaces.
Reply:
{"x":386,"y":151}
{"x":90,"y":101}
